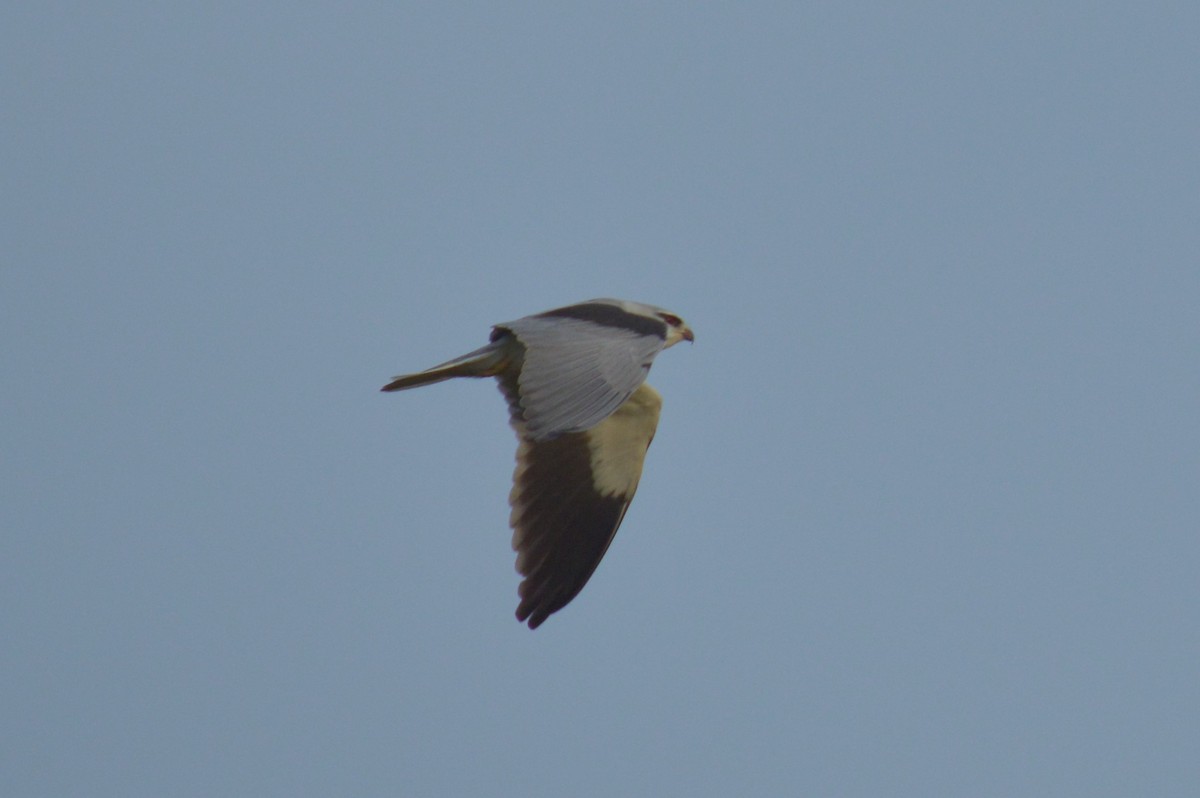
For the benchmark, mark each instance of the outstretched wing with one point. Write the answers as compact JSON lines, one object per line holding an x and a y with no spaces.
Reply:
{"x":577,"y":369}
{"x":569,"y":496}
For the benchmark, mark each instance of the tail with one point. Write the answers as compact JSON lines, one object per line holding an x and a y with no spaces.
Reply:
{"x":485,"y":362}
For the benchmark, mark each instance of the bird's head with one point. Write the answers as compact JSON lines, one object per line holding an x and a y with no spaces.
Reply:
{"x":677,"y":329}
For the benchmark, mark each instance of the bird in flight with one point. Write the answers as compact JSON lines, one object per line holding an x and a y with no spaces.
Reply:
{"x":574,"y":378}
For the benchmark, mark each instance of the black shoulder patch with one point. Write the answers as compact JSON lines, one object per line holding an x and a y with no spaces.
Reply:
{"x":610,"y":316}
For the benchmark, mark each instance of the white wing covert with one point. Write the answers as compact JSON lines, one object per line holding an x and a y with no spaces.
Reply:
{"x":576,"y":373}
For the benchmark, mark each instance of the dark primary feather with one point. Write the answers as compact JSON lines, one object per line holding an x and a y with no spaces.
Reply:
{"x":561,"y":525}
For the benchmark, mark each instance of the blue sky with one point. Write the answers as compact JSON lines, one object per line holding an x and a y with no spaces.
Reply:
{"x":921,"y":514}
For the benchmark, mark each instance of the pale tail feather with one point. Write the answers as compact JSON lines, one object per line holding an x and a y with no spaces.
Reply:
{"x":487,"y":361}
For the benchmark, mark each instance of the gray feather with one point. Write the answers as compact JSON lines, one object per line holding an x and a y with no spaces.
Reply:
{"x":576,"y":373}
{"x":487,"y":361}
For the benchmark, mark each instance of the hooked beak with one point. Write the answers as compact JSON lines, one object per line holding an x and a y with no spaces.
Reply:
{"x":686,"y":334}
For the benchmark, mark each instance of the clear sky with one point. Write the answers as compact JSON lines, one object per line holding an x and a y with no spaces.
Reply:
{"x":922,"y":514}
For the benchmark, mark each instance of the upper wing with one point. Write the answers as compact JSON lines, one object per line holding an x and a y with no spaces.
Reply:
{"x":569,"y":496}
{"x":575,"y":372}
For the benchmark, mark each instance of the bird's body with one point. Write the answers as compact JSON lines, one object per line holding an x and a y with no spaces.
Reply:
{"x":574,"y":378}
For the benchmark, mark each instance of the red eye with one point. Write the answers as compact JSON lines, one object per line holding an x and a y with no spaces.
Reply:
{"x":673,"y":320}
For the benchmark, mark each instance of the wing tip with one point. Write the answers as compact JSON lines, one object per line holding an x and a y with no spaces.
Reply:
{"x":527,"y":615}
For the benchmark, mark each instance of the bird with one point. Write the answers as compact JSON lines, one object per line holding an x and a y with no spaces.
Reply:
{"x":575,"y":382}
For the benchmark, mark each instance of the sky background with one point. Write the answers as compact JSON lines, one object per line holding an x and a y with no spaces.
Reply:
{"x":922,"y":514}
